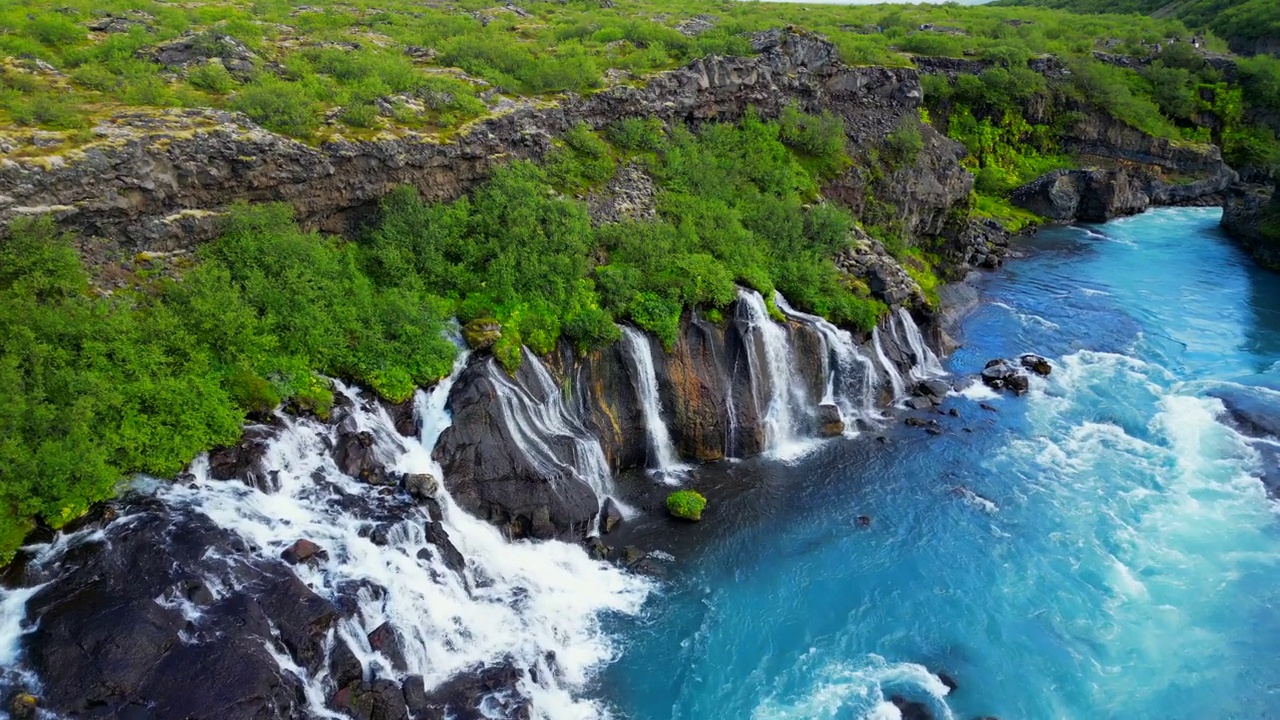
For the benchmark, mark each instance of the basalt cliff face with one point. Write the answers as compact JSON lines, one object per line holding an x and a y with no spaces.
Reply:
{"x":1251,"y":216}
{"x":1124,"y":170}
{"x":157,"y":182}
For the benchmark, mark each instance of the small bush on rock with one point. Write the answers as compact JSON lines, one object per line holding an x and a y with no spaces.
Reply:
{"x":686,"y":504}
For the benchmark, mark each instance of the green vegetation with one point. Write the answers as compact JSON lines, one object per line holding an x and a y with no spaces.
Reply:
{"x":731,"y":210}
{"x":94,"y":388}
{"x":686,"y":504}
{"x":1244,"y":19}
{"x":331,"y":66}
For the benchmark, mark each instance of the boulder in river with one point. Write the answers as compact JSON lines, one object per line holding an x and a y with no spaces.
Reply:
{"x":1036,"y":364}
{"x":910,"y":709}
{"x":610,"y":517}
{"x":354,"y":453}
{"x":830,"y":423}
{"x":303,"y":551}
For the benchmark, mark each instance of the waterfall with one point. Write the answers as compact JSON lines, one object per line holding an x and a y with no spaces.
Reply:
{"x":534,"y":421}
{"x":448,"y":622}
{"x":890,"y":370}
{"x":775,"y":367}
{"x":850,"y":374}
{"x":663,"y":450}
{"x":926,"y":363}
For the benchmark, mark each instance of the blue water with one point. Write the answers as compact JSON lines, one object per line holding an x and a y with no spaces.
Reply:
{"x":1101,"y":548}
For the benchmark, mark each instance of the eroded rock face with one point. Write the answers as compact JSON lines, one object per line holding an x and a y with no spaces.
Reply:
{"x":157,"y":180}
{"x":489,"y":473}
{"x":1245,"y":209}
{"x":113,"y":638}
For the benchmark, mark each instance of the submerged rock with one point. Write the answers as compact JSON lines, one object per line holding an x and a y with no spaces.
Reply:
{"x":910,"y":709}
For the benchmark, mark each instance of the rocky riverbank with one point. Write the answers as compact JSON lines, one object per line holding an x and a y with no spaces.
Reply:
{"x":1251,"y":216}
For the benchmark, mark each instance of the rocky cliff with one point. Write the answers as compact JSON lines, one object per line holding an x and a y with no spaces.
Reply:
{"x":1251,"y":216}
{"x":156,"y":181}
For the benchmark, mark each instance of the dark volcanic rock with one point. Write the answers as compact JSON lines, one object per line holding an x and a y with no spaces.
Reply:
{"x":103,"y":644}
{"x":1036,"y":364}
{"x":489,"y":474}
{"x":386,"y":640}
{"x":302,"y":551}
{"x":910,"y":709}
{"x":610,"y":517}
{"x":1246,"y":212}
{"x":355,"y":455}
{"x":459,"y":698}
{"x":244,"y":460}
{"x":377,"y":700}
{"x":829,"y":421}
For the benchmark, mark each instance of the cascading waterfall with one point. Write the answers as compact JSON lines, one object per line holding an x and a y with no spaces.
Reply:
{"x":784,"y":393}
{"x":534,"y":421}
{"x":926,"y":362}
{"x":447,"y":624}
{"x":646,"y":376}
{"x":896,"y":383}
{"x":851,"y":378}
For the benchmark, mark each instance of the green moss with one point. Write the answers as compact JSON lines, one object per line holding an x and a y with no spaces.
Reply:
{"x":686,"y":504}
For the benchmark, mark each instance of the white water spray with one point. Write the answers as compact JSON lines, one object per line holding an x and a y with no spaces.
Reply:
{"x":927,"y":364}
{"x":776,"y":366}
{"x":534,"y":421}
{"x":521,"y":602}
{"x":664,"y":450}
{"x":851,"y":378}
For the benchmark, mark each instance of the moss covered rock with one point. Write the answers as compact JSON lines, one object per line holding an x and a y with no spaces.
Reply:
{"x":686,"y":504}
{"x":482,"y":333}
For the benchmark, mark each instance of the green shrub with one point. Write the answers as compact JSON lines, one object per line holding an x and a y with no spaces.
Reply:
{"x":686,"y":504}
{"x":284,"y":107}
{"x":639,"y":133}
{"x":213,"y":77}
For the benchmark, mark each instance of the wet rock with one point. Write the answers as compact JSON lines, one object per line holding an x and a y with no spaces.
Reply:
{"x":449,"y":553}
{"x":344,"y":666}
{"x":481,"y":334}
{"x":1036,"y":364}
{"x":103,"y":646}
{"x":596,"y":548}
{"x":490,"y":475}
{"x":988,"y":407}
{"x":919,"y":403}
{"x":999,"y":374}
{"x":303,"y":551}
{"x":830,"y":423}
{"x":24,"y":706}
{"x":1246,"y":209}
{"x":1018,"y":383}
{"x":948,"y":681}
{"x":934,"y":389}
{"x":415,"y":696}
{"x":244,"y":460}
{"x":354,"y":453}
{"x":377,"y":700}
{"x":910,"y":709}
{"x":864,"y":521}
{"x":610,"y":516}
{"x":421,"y":486}
{"x":403,"y":417}
{"x":933,"y":430}
{"x":386,"y":640}
{"x":459,"y":697}
{"x":954,"y":412}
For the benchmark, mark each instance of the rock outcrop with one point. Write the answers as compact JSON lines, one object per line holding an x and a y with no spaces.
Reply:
{"x":1251,"y":216}
{"x":157,"y":180}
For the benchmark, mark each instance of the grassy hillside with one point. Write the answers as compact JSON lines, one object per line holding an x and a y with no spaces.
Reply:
{"x":350,"y":67}
{"x":1244,"y":19}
